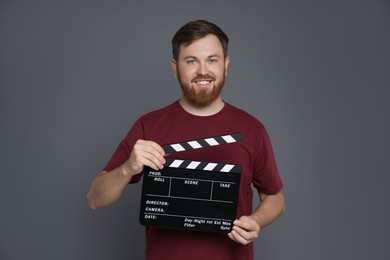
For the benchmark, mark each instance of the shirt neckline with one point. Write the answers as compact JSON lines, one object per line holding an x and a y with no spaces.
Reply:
{"x":219,"y":113}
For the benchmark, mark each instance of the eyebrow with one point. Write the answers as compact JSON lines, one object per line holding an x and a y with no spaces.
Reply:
{"x":194,"y":57}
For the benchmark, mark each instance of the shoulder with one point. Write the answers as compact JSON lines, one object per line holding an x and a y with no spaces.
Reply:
{"x":156,"y":114}
{"x":244,"y":116}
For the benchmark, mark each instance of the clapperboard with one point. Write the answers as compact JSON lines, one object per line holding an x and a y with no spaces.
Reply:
{"x":192,"y":195}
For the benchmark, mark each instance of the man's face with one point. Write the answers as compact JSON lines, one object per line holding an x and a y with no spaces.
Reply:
{"x":201,"y":70}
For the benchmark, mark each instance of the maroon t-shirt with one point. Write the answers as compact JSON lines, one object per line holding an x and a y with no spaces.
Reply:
{"x":173,"y":124}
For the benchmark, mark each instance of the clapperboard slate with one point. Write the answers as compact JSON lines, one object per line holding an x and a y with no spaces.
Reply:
{"x":192,"y":195}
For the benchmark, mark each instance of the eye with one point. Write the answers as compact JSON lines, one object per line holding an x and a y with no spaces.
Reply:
{"x":213,"y":60}
{"x":191,"y":61}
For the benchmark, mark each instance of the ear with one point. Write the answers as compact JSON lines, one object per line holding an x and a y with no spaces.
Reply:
{"x":174,"y":67}
{"x":227,"y":60}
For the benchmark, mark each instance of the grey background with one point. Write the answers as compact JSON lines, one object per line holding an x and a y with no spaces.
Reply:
{"x":74,"y":76}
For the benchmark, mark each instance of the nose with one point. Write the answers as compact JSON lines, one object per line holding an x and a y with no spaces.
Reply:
{"x":202,"y":68}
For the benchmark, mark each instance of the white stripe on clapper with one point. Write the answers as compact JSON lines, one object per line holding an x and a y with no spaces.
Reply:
{"x":178,"y":147}
{"x":227,"y":168}
{"x":176,"y":163}
{"x":193,"y":165}
{"x":210,"y":166}
{"x":211,"y":141}
{"x":228,"y":138}
{"x":194,"y":144}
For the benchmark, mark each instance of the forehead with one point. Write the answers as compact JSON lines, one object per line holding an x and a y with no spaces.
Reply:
{"x":203,"y":47}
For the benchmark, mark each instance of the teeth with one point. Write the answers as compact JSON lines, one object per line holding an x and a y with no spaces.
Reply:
{"x":203,"y":82}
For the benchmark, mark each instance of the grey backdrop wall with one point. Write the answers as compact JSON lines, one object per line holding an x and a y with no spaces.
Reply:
{"x":74,"y":76}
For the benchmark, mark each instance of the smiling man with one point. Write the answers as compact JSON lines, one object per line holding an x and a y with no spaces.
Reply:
{"x":201,"y":69}
{"x":200,"y":63}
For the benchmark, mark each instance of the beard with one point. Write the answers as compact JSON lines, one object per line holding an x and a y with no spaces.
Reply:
{"x":201,"y":97}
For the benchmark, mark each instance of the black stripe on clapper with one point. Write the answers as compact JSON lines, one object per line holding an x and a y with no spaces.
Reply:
{"x":219,"y":167}
{"x":220,"y":140}
{"x":237,"y":136}
{"x":168,"y":149}
{"x":203,"y":143}
{"x":186,"y":146}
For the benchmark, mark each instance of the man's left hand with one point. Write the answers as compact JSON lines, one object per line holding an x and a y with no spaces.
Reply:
{"x":245,"y":230}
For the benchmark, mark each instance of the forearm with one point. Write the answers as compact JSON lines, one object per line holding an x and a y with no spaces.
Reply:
{"x":270,"y":208}
{"x":107,"y":187}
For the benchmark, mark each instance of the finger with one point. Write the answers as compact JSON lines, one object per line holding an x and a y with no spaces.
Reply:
{"x":245,"y":234}
{"x":156,"y":146}
{"x":153,"y":160}
{"x":150,"y":161}
{"x":230,"y":235}
{"x":154,"y":149}
{"x":249,"y":230}
{"x":148,"y":153}
{"x":247,"y":223}
{"x":238,"y":238}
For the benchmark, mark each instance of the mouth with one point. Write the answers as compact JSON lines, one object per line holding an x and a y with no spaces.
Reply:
{"x":203,"y":82}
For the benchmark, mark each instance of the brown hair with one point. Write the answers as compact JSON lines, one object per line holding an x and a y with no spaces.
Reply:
{"x":195,"y":30}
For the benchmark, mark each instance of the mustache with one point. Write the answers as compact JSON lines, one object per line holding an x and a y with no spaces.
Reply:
{"x":203,"y":77}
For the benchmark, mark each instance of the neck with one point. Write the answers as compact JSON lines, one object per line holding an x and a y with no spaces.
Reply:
{"x":209,"y":110}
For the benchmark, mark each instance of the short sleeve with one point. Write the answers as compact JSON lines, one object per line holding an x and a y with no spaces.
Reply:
{"x":266,"y":177}
{"x":123,"y":151}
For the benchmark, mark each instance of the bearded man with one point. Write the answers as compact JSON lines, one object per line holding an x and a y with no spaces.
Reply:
{"x":200,"y":62}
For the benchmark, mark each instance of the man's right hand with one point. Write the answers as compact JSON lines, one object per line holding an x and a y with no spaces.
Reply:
{"x":145,"y":153}
{"x":107,"y":187}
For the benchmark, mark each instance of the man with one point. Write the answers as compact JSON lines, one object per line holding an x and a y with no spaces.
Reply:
{"x":200,"y":63}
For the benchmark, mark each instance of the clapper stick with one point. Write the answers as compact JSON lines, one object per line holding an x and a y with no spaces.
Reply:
{"x":201,"y":165}
{"x":202,"y":143}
